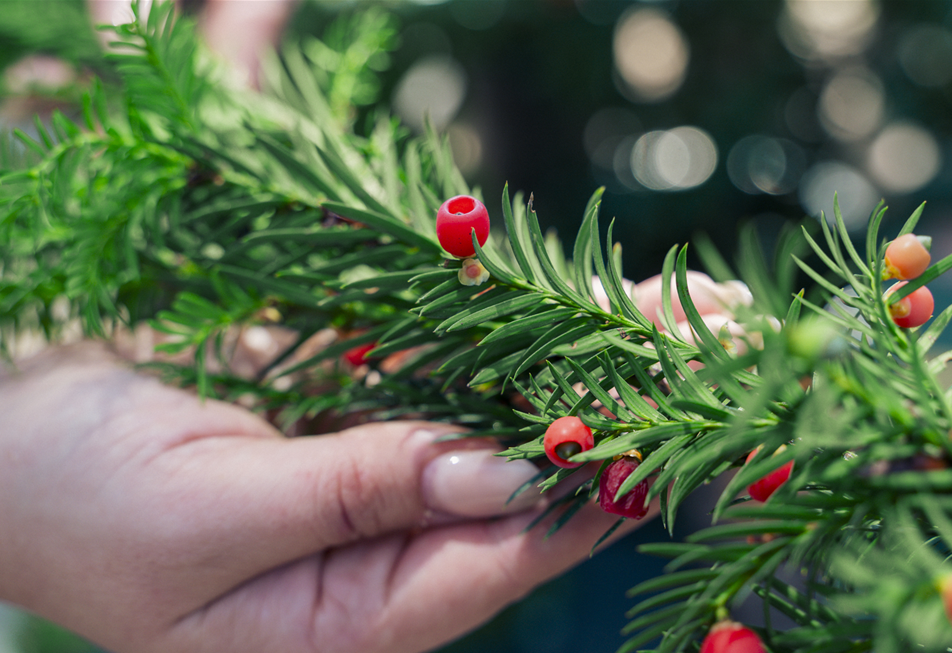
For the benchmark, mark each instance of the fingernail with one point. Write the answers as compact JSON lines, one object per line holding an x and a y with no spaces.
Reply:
{"x":475,"y":483}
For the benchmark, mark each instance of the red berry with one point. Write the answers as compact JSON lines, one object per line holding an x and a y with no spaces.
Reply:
{"x":455,"y":222}
{"x":914,"y":309}
{"x":631,"y":505}
{"x":566,"y":437}
{"x":907,"y":257}
{"x":762,"y":489}
{"x":731,"y":637}
{"x":358,"y":355}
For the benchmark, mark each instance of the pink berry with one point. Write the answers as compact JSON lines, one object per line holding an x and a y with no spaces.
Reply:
{"x":631,"y":505}
{"x":762,"y":489}
{"x":566,"y":437}
{"x":914,"y":309}
{"x":907,"y":257}
{"x":455,"y":222}
{"x":731,"y":637}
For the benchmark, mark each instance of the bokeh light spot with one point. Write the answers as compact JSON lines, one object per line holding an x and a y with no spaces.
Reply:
{"x":677,"y":159}
{"x":904,"y":157}
{"x":857,"y":196}
{"x":433,"y":86}
{"x":651,"y":54}
{"x":827,"y":29}
{"x":851,"y":104}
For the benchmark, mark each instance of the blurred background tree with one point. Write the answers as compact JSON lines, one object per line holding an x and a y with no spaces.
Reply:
{"x":697,"y":116}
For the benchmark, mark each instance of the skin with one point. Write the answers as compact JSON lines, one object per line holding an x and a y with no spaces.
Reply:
{"x":146,"y":520}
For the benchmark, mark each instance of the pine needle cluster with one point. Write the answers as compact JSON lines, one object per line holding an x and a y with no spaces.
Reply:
{"x":182,"y":202}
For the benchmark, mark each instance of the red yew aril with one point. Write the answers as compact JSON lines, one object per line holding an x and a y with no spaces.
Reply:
{"x":762,"y":489}
{"x":631,"y":505}
{"x":907,"y":257}
{"x":358,"y":355}
{"x":915,"y":309}
{"x":566,"y":437}
{"x":731,"y":637}
{"x":456,"y":220}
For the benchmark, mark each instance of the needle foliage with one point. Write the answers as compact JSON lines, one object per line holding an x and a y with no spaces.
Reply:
{"x":206,"y":211}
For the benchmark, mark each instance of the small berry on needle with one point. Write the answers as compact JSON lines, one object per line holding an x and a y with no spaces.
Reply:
{"x":566,"y":437}
{"x":632,"y":504}
{"x":456,"y":220}
{"x":762,"y":489}
{"x":915,"y":309}
{"x":731,"y":637}
{"x":907,"y":257}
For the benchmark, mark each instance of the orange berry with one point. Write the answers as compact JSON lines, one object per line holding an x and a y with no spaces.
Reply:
{"x":907,"y":257}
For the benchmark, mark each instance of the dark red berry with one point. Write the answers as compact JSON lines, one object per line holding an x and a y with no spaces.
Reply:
{"x":731,"y":637}
{"x":762,"y":489}
{"x":631,"y":505}
{"x":914,"y":309}
{"x":566,"y":437}
{"x":455,"y":222}
{"x":358,"y":355}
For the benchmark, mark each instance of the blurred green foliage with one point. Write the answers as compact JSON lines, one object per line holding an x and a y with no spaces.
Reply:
{"x":59,"y":27}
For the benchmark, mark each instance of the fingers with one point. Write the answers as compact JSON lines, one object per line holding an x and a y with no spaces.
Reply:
{"x":400,"y":593}
{"x":708,"y":296}
{"x":240,"y":32}
{"x":447,"y":581}
{"x":262,"y":502}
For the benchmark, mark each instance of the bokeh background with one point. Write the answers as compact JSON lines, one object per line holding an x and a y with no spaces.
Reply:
{"x":695,"y":115}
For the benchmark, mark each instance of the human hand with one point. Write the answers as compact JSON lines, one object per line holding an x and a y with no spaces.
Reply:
{"x":146,"y":520}
{"x":715,"y":302}
{"x":238,"y":31}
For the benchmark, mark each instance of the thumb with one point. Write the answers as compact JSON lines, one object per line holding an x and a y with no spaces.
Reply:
{"x":304,"y":495}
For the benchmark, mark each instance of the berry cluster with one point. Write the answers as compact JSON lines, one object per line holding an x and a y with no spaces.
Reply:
{"x":908,"y":257}
{"x":569,"y":436}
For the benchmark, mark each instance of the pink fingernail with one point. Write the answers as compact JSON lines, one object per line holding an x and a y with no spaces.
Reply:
{"x":476,"y":483}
